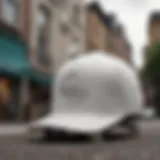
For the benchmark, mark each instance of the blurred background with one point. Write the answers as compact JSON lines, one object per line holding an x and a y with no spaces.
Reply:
{"x":38,"y":36}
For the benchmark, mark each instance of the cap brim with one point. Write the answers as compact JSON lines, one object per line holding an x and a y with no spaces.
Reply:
{"x":79,"y":123}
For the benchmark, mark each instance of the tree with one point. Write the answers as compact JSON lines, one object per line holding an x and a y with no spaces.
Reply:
{"x":152,"y":67}
{"x":151,"y":73}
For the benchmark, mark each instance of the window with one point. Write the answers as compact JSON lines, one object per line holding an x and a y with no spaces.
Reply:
{"x":9,"y":95}
{"x":11,"y":12}
{"x":109,"y":42}
{"x":64,"y":21}
{"x":155,"y":32}
{"x":43,"y":36}
{"x":76,"y":15}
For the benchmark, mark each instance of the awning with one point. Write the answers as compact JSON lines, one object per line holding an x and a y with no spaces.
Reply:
{"x":40,"y":77}
{"x":14,"y":59}
{"x":13,"y":55}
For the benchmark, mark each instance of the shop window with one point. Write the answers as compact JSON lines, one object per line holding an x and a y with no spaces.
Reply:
{"x":43,"y":36}
{"x":11,"y":12}
{"x":14,"y":105}
{"x":9,"y":99}
{"x":40,"y":100}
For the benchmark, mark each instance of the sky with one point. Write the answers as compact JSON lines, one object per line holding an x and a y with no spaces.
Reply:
{"x":133,"y":14}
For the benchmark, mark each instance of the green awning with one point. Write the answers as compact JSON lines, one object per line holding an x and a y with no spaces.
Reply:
{"x":13,"y":55}
{"x":40,"y":77}
{"x":14,"y":59}
{"x":13,"y":69}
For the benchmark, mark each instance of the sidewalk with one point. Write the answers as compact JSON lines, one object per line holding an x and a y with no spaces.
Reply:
{"x":13,"y":129}
{"x":17,"y":130}
{"x":150,"y":123}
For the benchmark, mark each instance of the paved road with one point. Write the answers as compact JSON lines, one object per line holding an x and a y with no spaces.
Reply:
{"x":145,"y":148}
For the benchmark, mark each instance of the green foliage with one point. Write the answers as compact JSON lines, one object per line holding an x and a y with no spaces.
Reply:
{"x":152,"y":68}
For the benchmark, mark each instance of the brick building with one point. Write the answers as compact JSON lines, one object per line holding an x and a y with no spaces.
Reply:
{"x":103,"y":33}
{"x":122,"y":47}
{"x":154,"y":28}
{"x":97,"y":27}
{"x":153,"y":32}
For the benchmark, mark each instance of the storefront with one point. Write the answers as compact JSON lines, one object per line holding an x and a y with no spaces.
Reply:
{"x":16,"y":74}
{"x":39,"y":104}
{"x":9,"y":98}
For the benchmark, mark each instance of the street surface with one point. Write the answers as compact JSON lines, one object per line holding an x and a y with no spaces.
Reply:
{"x":146,"y":147}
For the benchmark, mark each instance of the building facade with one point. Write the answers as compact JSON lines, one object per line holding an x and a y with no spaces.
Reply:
{"x":103,"y":33}
{"x":19,"y":68}
{"x":153,"y":32}
{"x":96,"y":30}
{"x":122,"y":47}
{"x":35,"y":38}
{"x":13,"y":55}
{"x":69,"y":26}
{"x":154,"y":28}
{"x":55,"y":27}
